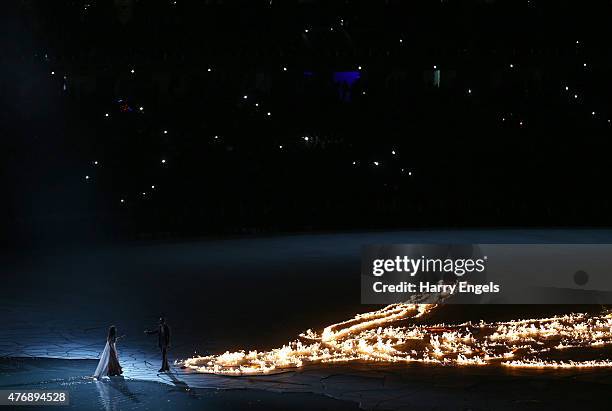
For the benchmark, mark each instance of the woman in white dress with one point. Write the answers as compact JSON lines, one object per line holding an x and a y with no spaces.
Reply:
{"x":109,"y":361}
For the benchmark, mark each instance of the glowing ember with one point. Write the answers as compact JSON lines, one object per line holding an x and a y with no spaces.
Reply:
{"x":369,"y":338}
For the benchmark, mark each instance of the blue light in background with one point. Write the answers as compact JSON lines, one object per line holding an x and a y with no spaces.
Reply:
{"x":348,"y":77}
{"x":344,"y":80}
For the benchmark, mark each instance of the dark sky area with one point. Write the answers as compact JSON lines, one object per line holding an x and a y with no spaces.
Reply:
{"x":134,"y":119}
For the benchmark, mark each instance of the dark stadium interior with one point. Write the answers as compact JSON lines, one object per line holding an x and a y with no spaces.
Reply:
{"x":382,"y":115}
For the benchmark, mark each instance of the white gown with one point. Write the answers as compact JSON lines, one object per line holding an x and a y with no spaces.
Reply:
{"x":102,"y":369}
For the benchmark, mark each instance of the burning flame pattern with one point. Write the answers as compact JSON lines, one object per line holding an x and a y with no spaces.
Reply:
{"x":372,"y":338}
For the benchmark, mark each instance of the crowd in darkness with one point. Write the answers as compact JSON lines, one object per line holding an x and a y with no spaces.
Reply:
{"x":177,"y":118}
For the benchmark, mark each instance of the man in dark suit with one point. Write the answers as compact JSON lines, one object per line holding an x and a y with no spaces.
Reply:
{"x":163,"y":340}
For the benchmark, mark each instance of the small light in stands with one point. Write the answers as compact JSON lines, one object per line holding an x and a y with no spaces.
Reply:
{"x":584,"y":65}
{"x":410,"y":173}
{"x":106,"y":114}
{"x":86,"y":177}
{"x":284,"y":68}
{"x":95,"y":163}
{"x":363,"y":93}
{"x":511,"y":65}
{"x":469,"y":91}
{"x":358,"y":67}
{"x":354,"y":163}
{"x":376,"y":163}
{"x":141,"y":108}
{"x":163,"y":161}
{"x":209,"y":70}
{"x":393,"y":152}
{"x":401,"y":41}
{"x":305,"y":30}
{"x":132,"y":71}
{"x":153,"y":187}
{"x":575,"y":95}
{"x":256,"y":104}
{"x":592,"y":113}
{"x":53,"y":73}
{"x":435,"y":67}
{"x":144,"y":194}
{"x":306,"y":138}
{"x":122,"y":200}
{"x":521,"y":123}
{"x":269,"y":113}
{"x":165,"y":131}
{"x":280,"y":146}
{"x":566,"y":88}
{"x":245,"y":97}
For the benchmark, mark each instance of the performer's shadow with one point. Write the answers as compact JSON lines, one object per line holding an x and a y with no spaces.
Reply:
{"x":108,"y":389}
{"x":182,"y":385}
{"x":120,"y":385}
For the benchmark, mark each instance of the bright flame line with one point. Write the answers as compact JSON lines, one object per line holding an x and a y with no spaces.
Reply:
{"x":517,"y":343}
